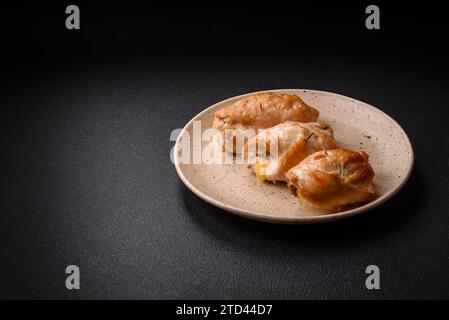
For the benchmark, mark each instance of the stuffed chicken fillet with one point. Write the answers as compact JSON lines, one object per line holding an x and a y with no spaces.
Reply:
{"x":239,"y":121}
{"x":273,"y":151}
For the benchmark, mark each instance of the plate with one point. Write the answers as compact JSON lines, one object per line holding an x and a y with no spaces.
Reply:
{"x":356,"y":126}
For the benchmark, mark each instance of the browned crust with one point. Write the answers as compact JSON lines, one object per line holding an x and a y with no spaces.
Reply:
{"x":263,"y":110}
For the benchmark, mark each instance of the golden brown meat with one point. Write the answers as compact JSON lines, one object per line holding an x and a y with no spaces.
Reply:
{"x":259,"y":111}
{"x":275,"y":150}
{"x":333,"y":178}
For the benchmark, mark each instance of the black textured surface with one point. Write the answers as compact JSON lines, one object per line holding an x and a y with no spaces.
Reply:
{"x":87,"y":180}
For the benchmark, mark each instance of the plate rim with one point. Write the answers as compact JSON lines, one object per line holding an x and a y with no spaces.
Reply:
{"x":255,"y":215}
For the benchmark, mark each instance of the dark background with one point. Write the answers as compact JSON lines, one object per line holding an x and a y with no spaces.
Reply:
{"x":86,"y":117}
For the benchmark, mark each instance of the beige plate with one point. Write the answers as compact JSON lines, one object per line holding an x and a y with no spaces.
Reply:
{"x":356,"y":126}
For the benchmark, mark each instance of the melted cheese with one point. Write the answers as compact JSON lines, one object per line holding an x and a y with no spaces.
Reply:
{"x":259,"y":168}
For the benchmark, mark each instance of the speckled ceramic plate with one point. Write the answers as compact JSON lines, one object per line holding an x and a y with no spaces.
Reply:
{"x":356,"y":126}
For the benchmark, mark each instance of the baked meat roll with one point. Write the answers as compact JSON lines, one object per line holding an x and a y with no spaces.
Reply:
{"x":275,"y":150}
{"x":333,"y":178}
{"x":259,"y":111}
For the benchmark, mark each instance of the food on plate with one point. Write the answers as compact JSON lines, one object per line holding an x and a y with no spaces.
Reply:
{"x":333,"y":178}
{"x":238,"y":121}
{"x":273,"y":151}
